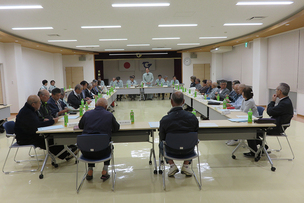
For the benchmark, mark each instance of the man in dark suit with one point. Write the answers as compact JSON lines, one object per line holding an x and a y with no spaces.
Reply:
{"x":85,"y":94}
{"x":94,"y":87}
{"x":44,"y":112}
{"x":74,"y":98}
{"x":282,"y":113}
{"x":177,"y":121}
{"x":98,"y":121}
{"x":57,"y":107}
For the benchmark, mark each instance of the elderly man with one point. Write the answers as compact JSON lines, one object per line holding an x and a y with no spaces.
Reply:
{"x":223,"y":91}
{"x":85,"y":94}
{"x":74,"y":98}
{"x":174,"y":81}
{"x":94,"y":87}
{"x":57,"y":107}
{"x":112,"y":82}
{"x":98,"y":121}
{"x":44,"y":112}
{"x":90,"y":88}
{"x":159,"y":80}
{"x":282,"y":113}
{"x":197,"y":84}
{"x":214,"y":90}
{"x":148,"y":80}
{"x":177,"y":121}
{"x":132,"y":83}
{"x":238,"y":102}
{"x":233,"y":95}
{"x":192,"y":78}
{"x":27,"y":124}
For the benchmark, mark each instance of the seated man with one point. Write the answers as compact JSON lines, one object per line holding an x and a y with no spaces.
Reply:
{"x":27,"y":123}
{"x":57,"y":107}
{"x":239,"y":98}
{"x":64,"y":102}
{"x":223,"y":91}
{"x":44,"y":112}
{"x":174,"y":81}
{"x":177,"y":121}
{"x":132,"y":83}
{"x":192,"y":78}
{"x":74,"y":98}
{"x":52,"y":86}
{"x":98,"y":121}
{"x":282,"y":113}
{"x":159,"y":80}
{"x":85,"y":94}
{"x":197,"y":84}
{"x":233,"y":94}
{"x":94,"y":87}
{"x":167,"y":83}
{"x":213,"y":91}
{"x":44,"y":85}
{"x":89,"y":89}
{"x":118,"y":83}
{"x":112,"y":82}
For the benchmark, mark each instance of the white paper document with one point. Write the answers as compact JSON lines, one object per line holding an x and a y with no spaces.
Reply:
{"x":207,"y":125}
{"x":238,"y":119}
{"x":50,"y":127}
{"x":154,"y":124}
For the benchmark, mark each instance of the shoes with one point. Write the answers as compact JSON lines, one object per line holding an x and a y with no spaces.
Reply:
{"x":90,"y":177}
{"x":232,"y":142}
{"x":249,"y":154}
{"x":105,"y":177}
{"x":162,"y":98}
{"x":172,"y":171}
{"x":187,"y":171}
{"x":75,"y":150}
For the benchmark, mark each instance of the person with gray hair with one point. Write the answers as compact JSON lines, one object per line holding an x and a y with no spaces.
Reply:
{"x":223,"y":91}
{"x":74,"y":98}
{"x":282,"y":113}
{"x":177,"y":121}
{"x":98,"y":121}
{"x":192,"y":78}
{"x":167,"y":83}
{"x":214,"y":90}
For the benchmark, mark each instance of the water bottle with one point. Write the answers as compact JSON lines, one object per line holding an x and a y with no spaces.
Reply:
{"x":66,"y":119}
{"x":189,"y":91}
{"x":142,"y":85}
{"x":127,"y":85}
{"x":194,"y":112}
{"x":81,"y":110}
{"x":195,"y":93}
{"x":162,"y":84}
{"x":69,"y":86}
{"x":225,"y":104}
{"x":64,"y":89}
{"x":86,"y":106}
{"x":249,"y":116}
{"x":82,"y":102}
{"x":218,"y":97}
{"x":132,"y":117}
{"x":96,"y":98}
{"x":205,"y":96}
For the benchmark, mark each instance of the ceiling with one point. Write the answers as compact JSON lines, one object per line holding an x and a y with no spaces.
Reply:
{"x":138,"y":25}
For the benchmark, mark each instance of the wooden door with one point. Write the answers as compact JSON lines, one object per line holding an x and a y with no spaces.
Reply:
{"x":202,"y":71}
{"x":74,"y":75}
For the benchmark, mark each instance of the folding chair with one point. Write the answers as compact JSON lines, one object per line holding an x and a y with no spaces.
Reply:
{"x":10,"y":132}
{"x":283,"y":134}
{"x":260,"y":111}
{"x":182,"y":141}
{"x":94,"y":143}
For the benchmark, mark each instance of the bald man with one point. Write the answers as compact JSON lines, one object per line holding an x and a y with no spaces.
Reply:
{"x":98,"y":121}
{"x":177,"y":121}
{"x":44,"y":112}
{"x":27,"y":123}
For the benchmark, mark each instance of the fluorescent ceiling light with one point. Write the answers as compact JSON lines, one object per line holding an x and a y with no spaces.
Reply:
{"x":241,"y":24}
{"x":114,"y":49}
{"x":141,"y":5}
{"x":134,"y":54}
{"x":161,"y":48}
{"x":63,"y":40}
{"x":113,"y":39}
{"x":166,"y":38}
{"x":22,"y":7}
{"x":212,"y":37}
{"x":101,"y":26}
{"x":88,"y":46}
{"x":32,"y":28}
{"x":177,"y":25}
{"x":254,"y":3}
{"x":138,"y":45}
{"x":188,"y":44}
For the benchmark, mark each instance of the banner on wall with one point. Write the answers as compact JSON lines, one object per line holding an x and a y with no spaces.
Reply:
{"x":126,"y":65}
{"x":147,"y":63}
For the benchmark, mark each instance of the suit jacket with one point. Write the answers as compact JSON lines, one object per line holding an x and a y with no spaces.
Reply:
{"x":94,"y":91}
{"x":98,"y":121}
{"x":27,"y":123}
{"x":282,"y":113}
{"x":223,"y":93}
{"x":85,"y":93}
{"x":74,"y":100}
{"x":44,"y":111}
{"x":54,"y":107}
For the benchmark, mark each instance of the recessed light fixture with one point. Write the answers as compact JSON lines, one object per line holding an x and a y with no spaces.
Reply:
{"x":63,"y":40}
{"x":114,"y":49}
{"x":32,"y":28}
{"x":212,"y":37}
{"x":101,"y":26}
{"x":161,"y":48}
{"x":241,"y":24}
{"x":184,"y":44}
{"x":138,"y":45}
{"x":88,"y":46}
{"x":122,"y":39}
{"x":141,"y":5}
{"x":255,"y":3}
{"x":177,"y":25}
{"x":166,"y":38}
{"x":22,"y":7}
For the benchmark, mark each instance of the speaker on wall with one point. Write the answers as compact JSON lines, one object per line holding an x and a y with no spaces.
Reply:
{"x":82,"y":58}
{"x":193,"y":55}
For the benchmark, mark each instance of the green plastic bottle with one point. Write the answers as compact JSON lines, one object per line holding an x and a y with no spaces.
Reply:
{"x":194,"y":112}
{"x":81,"y":110}
{"x":96,"y":98}
{"x":189,"y":91}
{"x":82,"y":102}
{"x":195,"y":93}
{"x":225,"y":104}
{"x":64,"y":89}
{"x":114,"y":86}
{"x":250,"y":116}
{"x":205,"y":96}
{"x":127,"y":85}
{"x":218,"y":97}
{"x":66,"y":119}
{"x":142,"y":85}
{"x":86,"y":106}
{"x":162,"y":84}
{"x":132,"y":117}
{"x":69,"y":86}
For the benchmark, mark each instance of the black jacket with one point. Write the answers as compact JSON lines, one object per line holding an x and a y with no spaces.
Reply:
{"x":177,"y":121}
{"x":54,"y":108}
{"x":74,"y":100}
{"x":27,"y":123}
{"x":192,"y":84}
{"x":283,"y":113}
{"x":44,"y":111}
{"x":98,"y":121}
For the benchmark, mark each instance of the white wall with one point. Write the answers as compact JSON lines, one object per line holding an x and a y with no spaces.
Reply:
{"x":162,"y":67}
{"x":202,"y":58}
{"x":73,"y":61}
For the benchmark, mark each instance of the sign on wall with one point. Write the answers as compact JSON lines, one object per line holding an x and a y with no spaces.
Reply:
{"x":126,"y":65}
{"x":147,"y":63}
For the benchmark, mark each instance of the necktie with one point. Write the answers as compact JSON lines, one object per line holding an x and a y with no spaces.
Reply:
{"x":59,"y":106}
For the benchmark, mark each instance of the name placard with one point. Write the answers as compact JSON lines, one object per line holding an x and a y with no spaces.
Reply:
{"x":124,"y":122}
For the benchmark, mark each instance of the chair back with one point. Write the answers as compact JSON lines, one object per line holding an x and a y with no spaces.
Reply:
{"x":181,"y":141}
{"x":93,"y":142}
{"x":260,"y":111}
{"x":9,"y":127}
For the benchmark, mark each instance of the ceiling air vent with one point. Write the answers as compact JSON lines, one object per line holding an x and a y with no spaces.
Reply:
{"x":53,"y":35}
{"x":257,"y":18}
